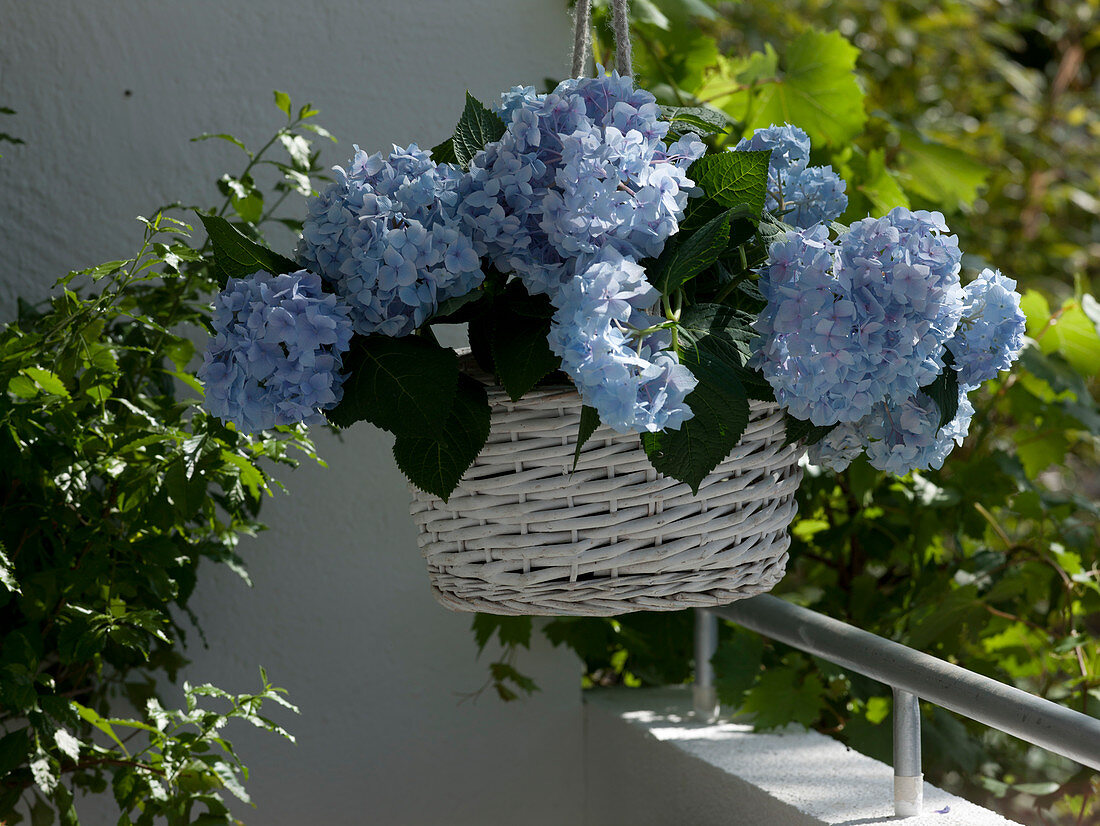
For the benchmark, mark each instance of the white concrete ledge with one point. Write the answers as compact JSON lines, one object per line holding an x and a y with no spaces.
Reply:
{"x":648,"y":762}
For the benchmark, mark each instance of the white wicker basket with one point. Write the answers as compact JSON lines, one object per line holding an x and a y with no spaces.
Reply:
{"x":526,"y":534}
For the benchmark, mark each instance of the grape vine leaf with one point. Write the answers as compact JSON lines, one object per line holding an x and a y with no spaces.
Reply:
{"x":403,"y":385}
{"x":436,"y":460}
{"x":817,"y":90}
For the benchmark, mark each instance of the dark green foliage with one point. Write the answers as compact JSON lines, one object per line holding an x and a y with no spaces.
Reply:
{"x":434,"y":460}
{"x":477,"y":127}
{"x":403,"y":385}
{"x":237,"y":256}
{"x":721,"y":410}
{"x":115,"y":488}
{"x":590,"y":422}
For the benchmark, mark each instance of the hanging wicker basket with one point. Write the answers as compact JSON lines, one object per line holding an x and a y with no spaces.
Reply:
{"x":525,"y":533}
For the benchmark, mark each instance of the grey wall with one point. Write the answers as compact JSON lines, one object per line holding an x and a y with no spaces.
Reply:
{"x":340,"y":613}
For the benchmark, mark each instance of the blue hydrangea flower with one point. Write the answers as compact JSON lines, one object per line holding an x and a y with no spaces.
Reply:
{"x":990,"y":335}
{"x":900,"y":438}
{"x":804,"y":195}
{"x":633,"y":381}
{"x":837,"y":448}
{"x":815,"y":195}
{"x":275,"y":357}
{"x":853,"y":322}
{"x":577,"y":170}
{"x":386,"y":235}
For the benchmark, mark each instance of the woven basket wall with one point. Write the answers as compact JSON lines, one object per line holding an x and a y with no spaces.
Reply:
{"x":525,"y":534}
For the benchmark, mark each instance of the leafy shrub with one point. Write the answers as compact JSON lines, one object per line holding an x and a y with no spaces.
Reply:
{"x":115,"y":486}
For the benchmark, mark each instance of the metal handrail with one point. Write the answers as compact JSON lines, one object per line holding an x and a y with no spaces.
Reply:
{"x":911,"y":674}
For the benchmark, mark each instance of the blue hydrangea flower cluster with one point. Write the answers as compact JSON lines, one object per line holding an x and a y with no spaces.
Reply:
{"x":898,"y":437}
{"x":991,"y":333}
{"x":627,"y":375}
{"x":386,"y":234}
{"x":577,"y":170}
{"x":804,"y":195}
{"x":275,"y":357}
{"x":851,"y":322}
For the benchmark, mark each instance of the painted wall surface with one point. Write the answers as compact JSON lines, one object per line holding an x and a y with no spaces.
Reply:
{"x":108,"y":92}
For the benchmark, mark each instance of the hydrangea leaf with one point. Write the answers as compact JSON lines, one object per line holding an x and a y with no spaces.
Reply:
{"x":690,"y":253}
{"x":721,"y":409}
{"x":702,"y":120}
{"x":477,"y":127}
{"x":236,"y":256}
{"x":445,"y":152}
{"x":816,"y":90}
{"x":521,"y":353}
{"x":435,"y":463}
{"x":403,"y":385}
{"x":801,"y":430}
{"x":590,"y":422}
{"x":944,"y":391}
{"x":731,"y":179}
{"x":703,"y":320}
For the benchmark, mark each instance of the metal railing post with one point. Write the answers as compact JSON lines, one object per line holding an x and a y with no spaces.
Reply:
{"x":908,"y":780}
{"x":706,"y":643}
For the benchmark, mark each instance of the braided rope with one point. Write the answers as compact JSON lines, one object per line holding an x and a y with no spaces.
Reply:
{"x":620,"y":22}
{"x":582,"y":36}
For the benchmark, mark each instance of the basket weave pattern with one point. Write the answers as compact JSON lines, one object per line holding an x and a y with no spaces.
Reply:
{"x":526,"y":534}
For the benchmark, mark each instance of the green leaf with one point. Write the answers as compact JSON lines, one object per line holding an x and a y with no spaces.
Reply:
{"x":435,"y":463}
{"x":510,"y":630}
{"x":699,"y":119}
{"x":944,"y":391}
{"x":704,"y":320}
{"x":7,"y":574}
{"x":800,"y":430}
{"x":49,"y":382}
{"x":941,"y":174}
{"x":477,"y":127}
{"x":403,"y":385}
{"x":205,"y":136}
{"x":1073,"y":335}
{"x":817,"y":90}
{"x":732,"y":179}
{"x":589,"y":424}
{"x":737,"y":666}
{"x":690,"y":254}
{"x":445,"y":152}
{"x":521,"y":353}
{"x":879,"y":186}
{"x":237,"y":256}
{"x":721,"y":411}
{"x":780,"y":698}
{"x":282,"y":100}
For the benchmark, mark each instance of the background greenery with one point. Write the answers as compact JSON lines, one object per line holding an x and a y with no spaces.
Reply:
{"x":988,"y":112}
{"x":115,"y":489}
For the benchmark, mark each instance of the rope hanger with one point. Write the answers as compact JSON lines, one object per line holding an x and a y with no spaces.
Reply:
{"x":582,"y":36}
